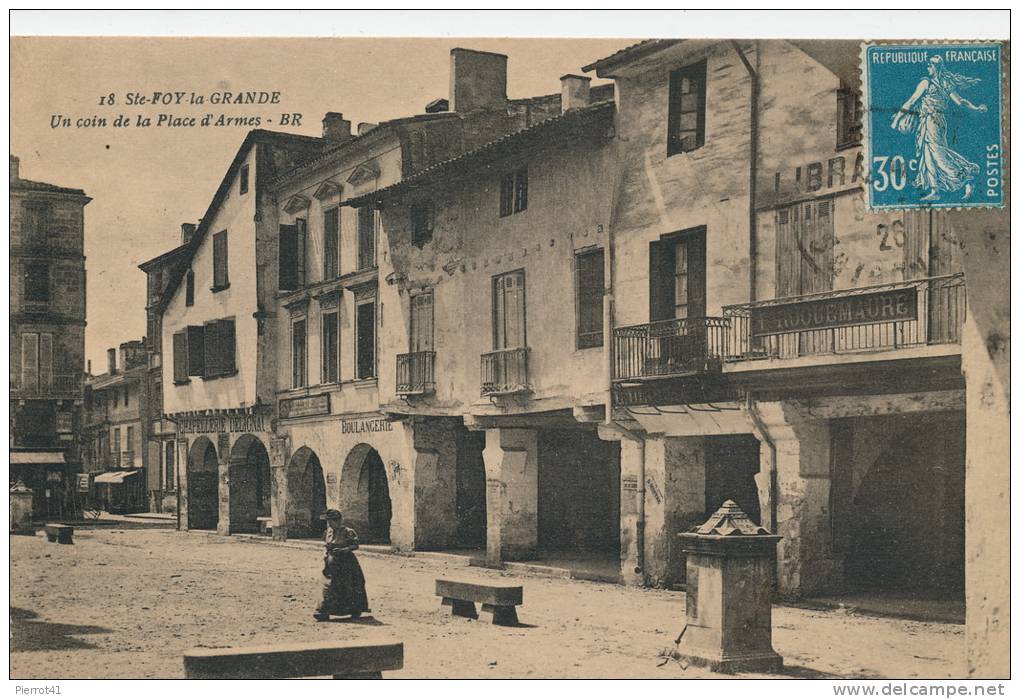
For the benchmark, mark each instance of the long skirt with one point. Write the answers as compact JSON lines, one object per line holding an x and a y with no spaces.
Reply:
{"x":344,"y":590}
{"x":939,"y":167}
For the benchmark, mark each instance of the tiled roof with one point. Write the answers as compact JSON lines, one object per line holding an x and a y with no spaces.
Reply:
{"x":642,"y":48}
{"x":574,"y":117}
{"x":34,"y":186}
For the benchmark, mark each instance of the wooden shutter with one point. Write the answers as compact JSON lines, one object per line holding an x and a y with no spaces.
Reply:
{"x":422,"y":331}
{"x":506,"y":195}
{"x":220,"y":277}
{"x":661,"y":280}
{"x":696,"y":275}
{"x":180,"y":356}
{"x":945,"y":247}
{"x":365,"y":323}
{"x":787,"y":252}
{"x":196,"y":350}
{"x":521,"y":190}
{"x":331,"y":243}
{"x":301,"y":255}
{"x":228,"y":348}
{"x":366,"y":237}
{"x":46,"y":361}
{"x":288,"y":257}
{"x":590,"y":283}
{"x":211,"y":346}
{"x":816,"y":243}
{"x":30,"y":361}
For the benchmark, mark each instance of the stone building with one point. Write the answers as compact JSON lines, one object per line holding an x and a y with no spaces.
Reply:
{"x":113,"y":437}
{"x":47,"y":338}
{"x":216,"y":325}
{"x":773,"y":342}
{"x":161,"y":434}
{"x":398,"y":475}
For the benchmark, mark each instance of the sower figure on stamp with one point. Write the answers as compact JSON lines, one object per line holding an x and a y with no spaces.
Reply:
{"x":344,"y":591}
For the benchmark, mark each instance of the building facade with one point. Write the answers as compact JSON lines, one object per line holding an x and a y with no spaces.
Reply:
{"x":47,"y":339}
{"x":774,"y":342}
{"x":114,"y":450}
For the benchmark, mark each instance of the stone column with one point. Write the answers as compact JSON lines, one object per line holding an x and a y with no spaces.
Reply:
{"x":802,"y":471}
{"x":434,"y":455}
{"x":631,"y":525}
{"x":511,"y":498}
{"x":223,"y":455}
{"x":279,"y":456}
{"x":182,"y":482}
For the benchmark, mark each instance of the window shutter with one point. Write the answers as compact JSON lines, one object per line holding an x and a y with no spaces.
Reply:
{"x":45,"y":361}
{"x":180,"y":356}
{"x":288,"y":257}
{"x":212,"y":349}
{"x":521,"y":190}
{"x":301,"y":253}
{"x":220,"y":277}
{"x":696,"y":275}
{"x":195,"y":350}
{"x":661,"y":280}
{"x":228,"y":348}
{"x":30,"y":361}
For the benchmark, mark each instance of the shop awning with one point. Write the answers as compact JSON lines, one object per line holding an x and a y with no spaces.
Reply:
{"x":37,"y":457}
{"x":115,"y":476}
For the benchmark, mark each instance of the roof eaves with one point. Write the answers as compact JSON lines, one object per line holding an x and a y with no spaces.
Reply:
{"x":630,"y":53}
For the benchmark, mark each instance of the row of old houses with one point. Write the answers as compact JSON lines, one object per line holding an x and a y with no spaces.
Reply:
{"x":566,"y":328}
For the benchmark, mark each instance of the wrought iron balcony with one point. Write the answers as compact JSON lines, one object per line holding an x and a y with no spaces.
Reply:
{"x":669,"y":348}
{"x":505,"y":372}
{"x":868,"y":319}
{"x":416,"y":373}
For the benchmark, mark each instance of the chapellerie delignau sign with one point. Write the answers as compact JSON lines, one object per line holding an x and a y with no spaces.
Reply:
{"x":860,"y":309}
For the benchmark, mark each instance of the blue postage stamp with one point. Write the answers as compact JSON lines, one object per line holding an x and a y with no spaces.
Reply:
{"x":933,"y":131}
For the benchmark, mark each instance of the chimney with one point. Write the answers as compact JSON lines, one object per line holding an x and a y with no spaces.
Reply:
{"x":575,"y":92}
{"x":364,"y":127}
{"x":111,"y":360}
{"x":477,"y":80}
{"x":15,"y":165}
{"x":335,"y":127}
{"x":187,"y":232}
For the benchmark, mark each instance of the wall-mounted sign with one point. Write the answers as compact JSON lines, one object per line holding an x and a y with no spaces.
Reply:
{"x":65,"y":421}
{"x":305,"y":406}
{"x":860,"y":309}
{"x":221,"y":422}
{"x":358,"y":426}
{"x":83,"y":482}
{"x":630,"y":484}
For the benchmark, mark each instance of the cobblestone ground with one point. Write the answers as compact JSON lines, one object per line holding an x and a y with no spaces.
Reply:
{"x":126,"y":603}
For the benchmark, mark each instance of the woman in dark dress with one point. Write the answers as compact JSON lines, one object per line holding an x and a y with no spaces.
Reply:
{"x":344,"y":591}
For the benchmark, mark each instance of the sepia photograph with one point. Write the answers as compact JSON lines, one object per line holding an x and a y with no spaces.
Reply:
{"x":608,"y":345}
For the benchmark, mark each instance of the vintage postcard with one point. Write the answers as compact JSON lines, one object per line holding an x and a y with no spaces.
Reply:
{"x":680,"y":354}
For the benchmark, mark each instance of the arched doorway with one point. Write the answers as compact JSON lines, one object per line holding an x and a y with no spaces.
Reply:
{"x":306,"y":495}
{"x":251,"y":487}
{"x":203,"y":485}
{"x":365,"y":495}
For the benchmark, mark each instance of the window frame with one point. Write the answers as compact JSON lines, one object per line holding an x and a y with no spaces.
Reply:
{"x":242,"y":176}
{"x":364,"y":234}
{"x":849,"y":117}
{"x":330,"y":258}
{"x":32,"y":268}
{"x":513,"y":192}
{"x":579,"y":337}
{"x":692,"y":71}
{"x":358,"y":304}
{"x":414,"y":345}
{"x":189,"y":287}
{"x":221,"y":256}
{"x":327,"y":353}
{"x":498,"y":307}
{"x":422,"y":215}
{"x":299,"y":380}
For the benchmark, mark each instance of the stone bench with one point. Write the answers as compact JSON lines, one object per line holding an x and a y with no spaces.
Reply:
{"x":498,"y":601}
{"x":350,"y":660}
{"x":265,"y":525}
{"x":60,"y":533}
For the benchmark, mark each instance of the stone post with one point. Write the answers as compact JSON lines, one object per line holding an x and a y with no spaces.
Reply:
{"x":279,"y":456}
{"x":223,"y":454}
{"x":730,"y":560}
{"x":182,"y":483}
{"x":511,"y":497}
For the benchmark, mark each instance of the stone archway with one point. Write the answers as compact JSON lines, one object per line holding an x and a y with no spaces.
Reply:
{"x":203,"y":485}
{"x":306,"y":495}
{"x":250,"y":486}
{"x":364,"y":495}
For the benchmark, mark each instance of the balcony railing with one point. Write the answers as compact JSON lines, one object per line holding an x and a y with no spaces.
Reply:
{"x":416,"y":373}
{"x":669,"y":348}
{"x":505,"y":372}
{"x":55,"y":386}
{"x":875,"y":318}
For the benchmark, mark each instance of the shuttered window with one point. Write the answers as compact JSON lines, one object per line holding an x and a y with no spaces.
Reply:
{"x":29,"y":361}
{"x":508,"y":311}
{"x":422,"y":322}
{"x":196,"y":350}
{"x":365,"y":345}
{"x":219,"y":351}
{"x":181,"y":357}
{"x":804,"y":248}
{"x":45,"y":362}
{"x":331,"y":243}
{"x":513,"y":192}
{"x":331,"y":347}
{"x":288,"y":257}
{"x":221,"y":279}
{"x":37,"y":284}
{"x":676,"y":276}
{"x":421,"y":223}
{"x":301,"y":253}
{"x":686,"y":121}
{"x":590,"y":286}
{"x":366,"y":237}
{"x":299,"y":353}
{"x":189,"y":288}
